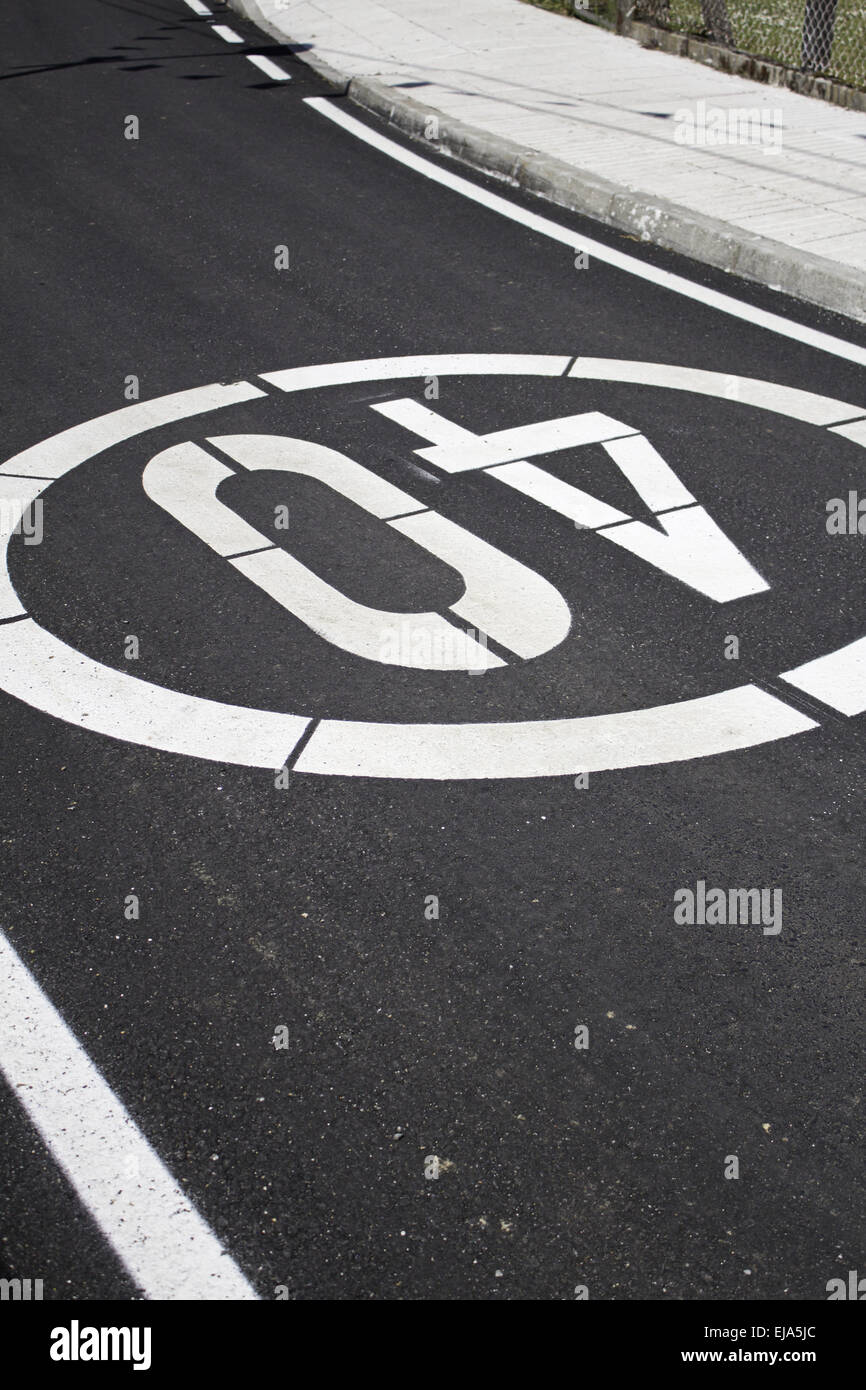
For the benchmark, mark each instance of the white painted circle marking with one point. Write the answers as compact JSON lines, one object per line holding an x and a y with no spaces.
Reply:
{"x":51,"y":676}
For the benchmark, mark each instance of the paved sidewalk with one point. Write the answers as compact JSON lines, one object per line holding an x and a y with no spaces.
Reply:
{"x":589,"y":120}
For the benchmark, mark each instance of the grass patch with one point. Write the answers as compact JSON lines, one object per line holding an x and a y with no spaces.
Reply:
{"x":771,"y":29}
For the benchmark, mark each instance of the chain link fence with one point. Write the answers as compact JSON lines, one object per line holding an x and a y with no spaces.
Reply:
{"x":826,"y":38}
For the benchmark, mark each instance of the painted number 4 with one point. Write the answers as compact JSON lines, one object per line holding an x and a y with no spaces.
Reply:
{"x":689,"y":547}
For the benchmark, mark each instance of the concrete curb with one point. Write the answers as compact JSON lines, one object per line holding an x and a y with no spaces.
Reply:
{"x":657,"y":220}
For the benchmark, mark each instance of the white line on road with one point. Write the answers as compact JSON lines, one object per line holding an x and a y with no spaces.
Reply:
{"x":838,"y":679}
{"x":714,"y":299}
{"x":399,"y":368}
{"x":65,"y":451}
{"x":856,"y":431}
{"x":166,"y":1246}
{"x":765,"y":395}
{"x":16,"y":496}
{"x":268,"y":68}
{"x":197,"y":7}
{"x":456,"y":450}
{"x":48,"y":674}
{"x":226,"y":33}
{"x":701,"y":727}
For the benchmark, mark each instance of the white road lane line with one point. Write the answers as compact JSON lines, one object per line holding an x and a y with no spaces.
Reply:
{"x":226,"y":33}
{"x":714,"y":299}
{"x":268,"y":68}
{"x":197,"y":7}
{"x":165,"y":1245}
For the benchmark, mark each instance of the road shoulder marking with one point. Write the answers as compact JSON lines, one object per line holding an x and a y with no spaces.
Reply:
{"x":154,"y":1229}
{"x":269,"y":68}
{"x":714,"y":299}
{"x":225,"y":33}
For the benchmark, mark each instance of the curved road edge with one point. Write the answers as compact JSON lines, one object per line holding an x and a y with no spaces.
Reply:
{"x":660,"y":221}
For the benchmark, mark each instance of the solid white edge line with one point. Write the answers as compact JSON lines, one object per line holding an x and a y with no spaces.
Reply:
{"x":269,"y":68}
{"x":154,"y":1229}
{"x":714,"y":299}
{"x":226,"y":33}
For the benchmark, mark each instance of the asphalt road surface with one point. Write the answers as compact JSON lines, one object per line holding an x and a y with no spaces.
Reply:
{"x":417,"y":1017}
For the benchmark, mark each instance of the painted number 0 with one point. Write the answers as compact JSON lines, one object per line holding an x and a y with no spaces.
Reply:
{"x":503,"y":599}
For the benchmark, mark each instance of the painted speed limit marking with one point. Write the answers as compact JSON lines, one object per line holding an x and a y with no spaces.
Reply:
{"x":515,"y":606}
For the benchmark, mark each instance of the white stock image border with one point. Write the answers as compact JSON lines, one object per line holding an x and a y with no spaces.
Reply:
{"x":51,"y":676}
